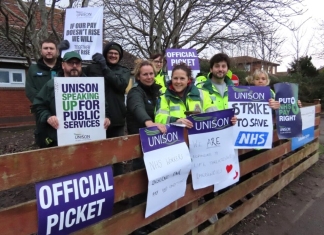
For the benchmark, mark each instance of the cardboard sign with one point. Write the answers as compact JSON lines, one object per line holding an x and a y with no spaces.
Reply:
{"x":83,"y":30}
{"x":214,"y":160}
{"x":80,"y":109}
{"x":288,"y":117}
{"x":167,"y":161}
{"x":254,"y":127}
{"x":187,"y":56}
{"x":73,"y":202}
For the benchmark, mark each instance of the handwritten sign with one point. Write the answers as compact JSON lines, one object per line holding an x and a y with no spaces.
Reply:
{"x":187,"y":56}
{"x":288,"y":117}
{"x":308,"y":129}
{"x":80,"y":109}
{"x":83,"y":29}
{"x":167,"y":161}
{"x":73,"y":202}
{"x":214,"y":159}
{"x":254,"y":116}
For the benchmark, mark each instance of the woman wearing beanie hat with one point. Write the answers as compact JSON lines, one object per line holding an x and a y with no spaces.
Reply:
{"x":116,"y":80}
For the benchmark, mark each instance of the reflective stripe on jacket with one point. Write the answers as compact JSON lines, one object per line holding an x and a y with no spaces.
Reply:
{"x":171,"y":107}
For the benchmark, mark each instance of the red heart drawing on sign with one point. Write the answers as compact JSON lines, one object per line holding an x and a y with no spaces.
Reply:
{"x":236,"y":175}
{"x":229,"y":168}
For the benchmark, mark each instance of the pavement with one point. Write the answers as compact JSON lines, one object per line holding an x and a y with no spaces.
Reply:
{"x":298,"y":211}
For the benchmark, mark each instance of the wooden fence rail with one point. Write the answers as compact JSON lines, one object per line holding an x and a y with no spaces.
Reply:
{"x":25,"y":168}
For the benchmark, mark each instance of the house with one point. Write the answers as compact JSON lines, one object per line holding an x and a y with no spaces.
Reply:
{"x":250,"y":64}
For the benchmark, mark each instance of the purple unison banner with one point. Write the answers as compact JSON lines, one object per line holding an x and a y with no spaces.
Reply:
{"x":249,"y":93}
{"x":210,"y":122}
{"x":288,"y":116}
{"x":152,"y":138}
{"x":187,"y":56}
{"x":73,"y":202}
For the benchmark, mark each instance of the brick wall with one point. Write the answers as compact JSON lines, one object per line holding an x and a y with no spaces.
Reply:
{"x":14,"y":108}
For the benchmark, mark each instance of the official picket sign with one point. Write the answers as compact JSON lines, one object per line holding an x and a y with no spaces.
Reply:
{"x":187,"y":56}
{"x":288,"y":117}
{"x":80,"y":109}
{"x":167,"y":161}
{"x":254,"y":116}
{"x":83,"y":30}
{"x":308,"y":129}
{"x":211,"y":144}
{"x":73,"y":202}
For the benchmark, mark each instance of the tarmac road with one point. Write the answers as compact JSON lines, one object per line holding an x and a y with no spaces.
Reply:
{"x":298,"y":211}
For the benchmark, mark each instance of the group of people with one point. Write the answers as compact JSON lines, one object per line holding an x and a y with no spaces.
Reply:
{"x":155,"y":100}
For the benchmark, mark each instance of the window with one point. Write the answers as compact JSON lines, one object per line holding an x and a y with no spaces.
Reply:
{"x":12,"y":78}
{"x":247,"y":67}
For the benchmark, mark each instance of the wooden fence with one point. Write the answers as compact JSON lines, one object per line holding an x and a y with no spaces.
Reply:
{"x":25,"y":168}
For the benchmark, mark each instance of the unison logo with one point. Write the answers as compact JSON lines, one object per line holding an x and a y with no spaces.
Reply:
{"x":82,"y":14}
{"x":82,"y":137}
{"x":155,"y":137}
{"x":209,"y":122}
{"x":247,"y":94}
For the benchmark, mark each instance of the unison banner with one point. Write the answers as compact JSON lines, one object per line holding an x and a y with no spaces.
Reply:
{"x":214,"y":160}
{"x":83,"y":29}
{"x":80,"y":109}
{"x":288,"y":116}
{"x":167,"y":161}
{"x":254,"y":116}
{"x":67,"y":204}
{"x":187,"y":56}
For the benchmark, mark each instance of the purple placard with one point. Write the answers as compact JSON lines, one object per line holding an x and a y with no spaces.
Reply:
{"x":152,"y":138}
{"x":249,"y":93}
{"x":288,"y":116}
{"x":188,"y":56}
{"x":73,"y":202}
{"x":209,"y":122}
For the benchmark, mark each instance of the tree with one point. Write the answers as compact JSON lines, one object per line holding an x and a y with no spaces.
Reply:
{"x":150,"y":26}
{"x":303,"y":66}
{"x":26,"y":23}
{"x":320,"y":42}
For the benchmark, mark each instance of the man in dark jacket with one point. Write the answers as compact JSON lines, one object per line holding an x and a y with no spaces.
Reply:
{"x":116,"y":80}
{"x":39,"y":74}
{"x":44,"y":102}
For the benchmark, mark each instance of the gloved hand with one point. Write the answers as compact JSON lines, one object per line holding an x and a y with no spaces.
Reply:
{"x":100,"y":59}
{"x":64,"y":45}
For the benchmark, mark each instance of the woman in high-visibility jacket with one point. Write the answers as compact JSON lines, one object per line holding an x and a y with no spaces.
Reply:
{"x":160,"y":77}
{"x":182,"y":98}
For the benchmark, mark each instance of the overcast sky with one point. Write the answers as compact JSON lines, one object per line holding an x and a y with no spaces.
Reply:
{"x":316,"y":14}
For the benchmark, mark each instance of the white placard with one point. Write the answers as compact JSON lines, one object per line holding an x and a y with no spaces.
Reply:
{"x":254,"y":128}
{"x":167,"y":161}
{"x":83,"y":30}
{"x":80,"y":109}
{"x":211,"y":144}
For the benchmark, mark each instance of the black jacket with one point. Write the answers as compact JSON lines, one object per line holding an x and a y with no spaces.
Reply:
{"x":116,"y":81}
{"x":44,"y":104}
{"x":141,"y":101}
{"x":38,"y":75}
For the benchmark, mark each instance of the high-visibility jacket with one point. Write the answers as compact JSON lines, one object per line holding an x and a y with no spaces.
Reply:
{"x":160,"y":80}
{"x":221,"y":102}
{"x":273,"y":94}
{"x":171,"y":107}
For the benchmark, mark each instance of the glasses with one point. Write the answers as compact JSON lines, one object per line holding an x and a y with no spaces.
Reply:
{"x":76,"y":62}
{"x":158,"y":61}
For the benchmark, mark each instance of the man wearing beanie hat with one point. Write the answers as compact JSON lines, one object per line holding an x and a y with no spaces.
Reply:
{"x":44,"y":102}
{"x":116,"y":80}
